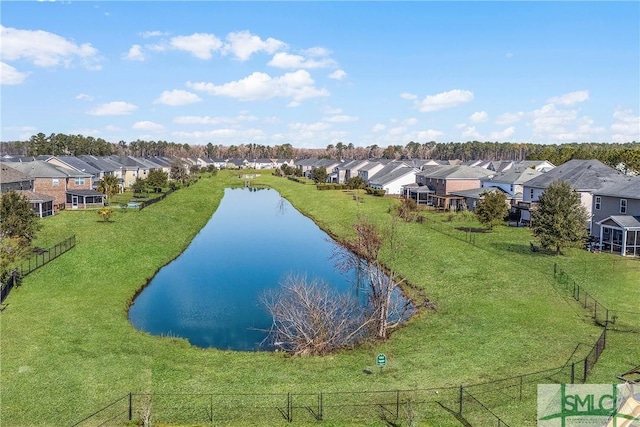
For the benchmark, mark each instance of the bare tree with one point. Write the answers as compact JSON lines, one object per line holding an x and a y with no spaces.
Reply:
{"x":309,"y":318}
{"x":387,"y":308}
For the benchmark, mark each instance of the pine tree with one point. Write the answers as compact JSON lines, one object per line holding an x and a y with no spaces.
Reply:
{"x":560,"y":219}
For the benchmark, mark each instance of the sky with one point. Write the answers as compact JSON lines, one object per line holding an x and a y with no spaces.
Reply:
{"x":317,"y":73}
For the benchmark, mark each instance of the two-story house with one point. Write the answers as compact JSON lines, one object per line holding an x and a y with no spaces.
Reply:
{"x":584,"y":176}
{"x":442,"y":181}
{"x":616,"y":217}
{"x":14,"y":180}
{"x":69,"y":188}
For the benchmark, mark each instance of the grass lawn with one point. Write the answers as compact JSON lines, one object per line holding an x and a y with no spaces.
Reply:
{"x":67,"y":348}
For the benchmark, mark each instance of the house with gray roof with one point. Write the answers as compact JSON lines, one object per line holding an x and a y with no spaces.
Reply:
{"x":442,"y":181}
{"x":70,"y":189}
{"x":584,"y":176}
{"x":13,"y":180}
{"x":394,"y":181}
{"x":616,"y":217}
{"x":344,"y":171}
{"x":72,"y":162}
{"x":475,"y":195}
{"x":511,"y":182}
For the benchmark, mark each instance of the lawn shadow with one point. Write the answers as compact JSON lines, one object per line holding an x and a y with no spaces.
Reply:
{"x":521,"y":248}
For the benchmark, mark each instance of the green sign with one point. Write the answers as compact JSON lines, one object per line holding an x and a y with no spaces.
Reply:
{"x":381,"y":360}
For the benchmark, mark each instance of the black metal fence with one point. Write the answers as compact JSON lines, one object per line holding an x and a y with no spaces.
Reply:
{"x":34,"y":262}
{"x":617,"y":320}
{"x":150,"y":202}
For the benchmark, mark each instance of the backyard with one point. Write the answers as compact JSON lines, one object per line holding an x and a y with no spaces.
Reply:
{"x":67,"y":348}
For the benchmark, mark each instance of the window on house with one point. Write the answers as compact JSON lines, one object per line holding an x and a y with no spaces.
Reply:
{"x":623,"y":206}
{"x":598,"y":203}
{"x":55,"y":182}
{"x":79,"y":181}
{"x":531,"y":194}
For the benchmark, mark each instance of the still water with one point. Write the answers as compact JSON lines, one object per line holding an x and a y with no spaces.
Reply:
{"x":210,"y":293}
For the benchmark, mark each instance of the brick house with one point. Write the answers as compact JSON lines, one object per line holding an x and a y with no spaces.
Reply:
{"x":69,"y":188}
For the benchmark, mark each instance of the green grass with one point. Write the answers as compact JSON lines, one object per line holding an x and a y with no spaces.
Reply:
{"x":67,"y":348}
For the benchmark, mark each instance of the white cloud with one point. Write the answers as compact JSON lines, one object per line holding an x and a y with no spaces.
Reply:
{"x":479,"y":117}
{"x":230,"y":135}
{"x":338,"y":75}
{"x":443,"y":100}
{"x":45,"y":49}
{"x":332,"y":111}
{"x":84,"y":97}
{"x":311,"y":131}
{"x":378,"y":127}
{"x":343,"y":118}
{"x":427,"y":135}
{"x":502,"y":135}
{"x":471,"y":133}
{"x":398,"y":130}
{"x":507,"y":118}
{"x":408,"y":96}
{"x":135,"y":53}
{"x":317,"y":51}
{"x":148,"y":126}
{"x":571,"y":98}
{"x":177,"y":97}
{"x":207,"y":120}
{"x":243,"y":44}
{"x":508,"y":55}
{"x":626,"y":128}
{"x":11,"y":76}
{"x":259,"y":86}
{"x":291,"y":61}
{"x":116,"y":108}
{"x":412,"y":121}
{"x":309,"y":127}
{"x":150,"y":34}
{"x":549,"y":121}
{"x":200,"y":45}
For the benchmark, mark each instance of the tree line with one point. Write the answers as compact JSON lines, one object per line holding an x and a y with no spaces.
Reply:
{"x":625,"y":156}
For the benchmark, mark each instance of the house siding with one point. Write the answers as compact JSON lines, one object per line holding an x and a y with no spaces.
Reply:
{"x":610,"y":206}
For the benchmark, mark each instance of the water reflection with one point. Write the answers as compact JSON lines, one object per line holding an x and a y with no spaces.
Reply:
{"x":210,"y":293}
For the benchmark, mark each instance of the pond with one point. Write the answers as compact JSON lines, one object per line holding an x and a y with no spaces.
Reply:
{"x":210,"y":293}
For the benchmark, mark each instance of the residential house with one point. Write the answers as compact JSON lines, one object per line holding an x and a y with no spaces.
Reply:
{"x":69,"y":188}
{"x":584,"y":176}
{"x":438,"y":183}
{"x":327,"y":164}
{"x":511,"y":182}
{"x":14,"y":180}
{"x":393,"y":182}
{"x":616,"y":217}
{"x":130,"y":169}
{"x":475,"y":195}
{"x":105,"y":166}
{"x":72,"y":162}
{"x":345,"y":171}
{"x":368,"y":171}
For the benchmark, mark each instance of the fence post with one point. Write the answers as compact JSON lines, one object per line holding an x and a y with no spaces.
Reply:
{"x":130,"y":406}
{"x":460,"y":402}
{"x":320,"y":416}
{"x":397,"y":403}
{"x":555,"y":269}
{"x":586,"y":369}
{"x":573,"y":371}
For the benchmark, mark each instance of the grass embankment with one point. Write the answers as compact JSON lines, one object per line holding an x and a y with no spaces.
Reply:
{"x":68,"y":348}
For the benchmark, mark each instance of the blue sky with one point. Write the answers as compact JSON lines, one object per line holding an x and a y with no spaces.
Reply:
{"x":317,"y":73}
